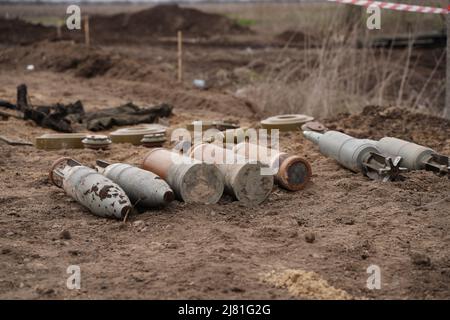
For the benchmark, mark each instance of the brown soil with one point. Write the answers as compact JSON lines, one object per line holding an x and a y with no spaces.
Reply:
{"x":220,"y":251}
{"x":135,"y":27}
{"x":167,"y":20}
{"x":325,"y":236}
{"x":377,"y":122}
{"x":295,"y":37}
{"x":16,"y":31}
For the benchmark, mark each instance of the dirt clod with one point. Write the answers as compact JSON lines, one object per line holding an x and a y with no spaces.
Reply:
{"x":310,"y":237}
{"x":421,"y":260}
{"x":65,"y":234}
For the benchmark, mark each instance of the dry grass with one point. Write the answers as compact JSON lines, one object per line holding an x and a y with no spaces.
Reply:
{"x":305,"y":285}
{"x":342,"y":78}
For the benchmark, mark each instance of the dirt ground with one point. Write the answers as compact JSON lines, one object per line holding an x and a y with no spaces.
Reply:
{"x":221,"y":251}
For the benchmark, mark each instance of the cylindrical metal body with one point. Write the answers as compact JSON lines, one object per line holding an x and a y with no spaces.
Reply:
{"x":100,"y":195}
{"x":141,"y":186}
{"x":291,"y":172}
{"x":413,"y":155}
{"x":243,"y":180}
{"x":192,"y":181}
{"x":348,"y":151}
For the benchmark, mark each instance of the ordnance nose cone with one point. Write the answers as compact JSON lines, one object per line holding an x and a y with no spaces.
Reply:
{"x":294,"y":173}
{"x":312,"y":136}
{"x":169,"y":196}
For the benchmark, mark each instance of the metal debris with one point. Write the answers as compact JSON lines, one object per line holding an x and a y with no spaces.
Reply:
{"x":314,"y":126}
{"x":99,"y":194}
{"x":414,"y":156}
{"x":142,"y":187}
{"x":358,"y":155}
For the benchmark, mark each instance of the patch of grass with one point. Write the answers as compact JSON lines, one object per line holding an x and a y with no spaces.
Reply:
{"x":245,"y":22}
{"x":46,"y":21}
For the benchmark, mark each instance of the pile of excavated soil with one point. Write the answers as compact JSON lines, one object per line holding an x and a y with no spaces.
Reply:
{"x":295,"y":37}
{"x":376,"y":122}
{"x":167,"y":20}
{"x":16,"y":31}
{"x":161,"y":20}
{"x":86,"y":62}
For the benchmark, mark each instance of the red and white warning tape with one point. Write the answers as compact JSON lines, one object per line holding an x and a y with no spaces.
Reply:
{"x":394,"y":6}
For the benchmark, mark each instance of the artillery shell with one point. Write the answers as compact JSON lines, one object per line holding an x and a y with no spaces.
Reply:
{"x":99,"y":194}
{"x":192,"y":181}
{"x":243,"y":180}
{"x":142,"y":186}
{"x":291,"y":172}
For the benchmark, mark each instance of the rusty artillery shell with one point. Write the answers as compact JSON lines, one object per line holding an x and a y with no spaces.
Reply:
{"x":243,"y":180}
{"x":100,"y":195}
{"x":192,"y":180}
{"x":142,"y":187}
{"x":291,"y":172}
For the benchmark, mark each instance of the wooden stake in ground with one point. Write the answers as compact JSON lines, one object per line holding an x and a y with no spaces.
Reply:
{"x":58,"y":31}
{"x":180,"y":56}
{"x":87,"y":39}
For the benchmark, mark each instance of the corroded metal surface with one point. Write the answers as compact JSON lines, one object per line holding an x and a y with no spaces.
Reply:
{"x":291,"y":172}
{"x":99,"y":194}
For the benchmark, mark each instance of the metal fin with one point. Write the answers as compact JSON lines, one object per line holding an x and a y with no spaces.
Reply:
{"x":439,"y":164}
{"x":73,"y":163}
{"x":102,"y":163}
{"x":380,"y":167}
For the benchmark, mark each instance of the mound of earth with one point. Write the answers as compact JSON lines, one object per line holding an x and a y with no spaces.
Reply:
{"x":16,"y":31}
{"x":83,"y":61}
{"x":376,"y":122}
{"x":295,"y":37}
{"x":166,"y":20}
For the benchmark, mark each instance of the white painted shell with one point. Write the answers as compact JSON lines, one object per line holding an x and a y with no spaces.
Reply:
{"x":141,"y":186}
{"x":99,"y":194}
